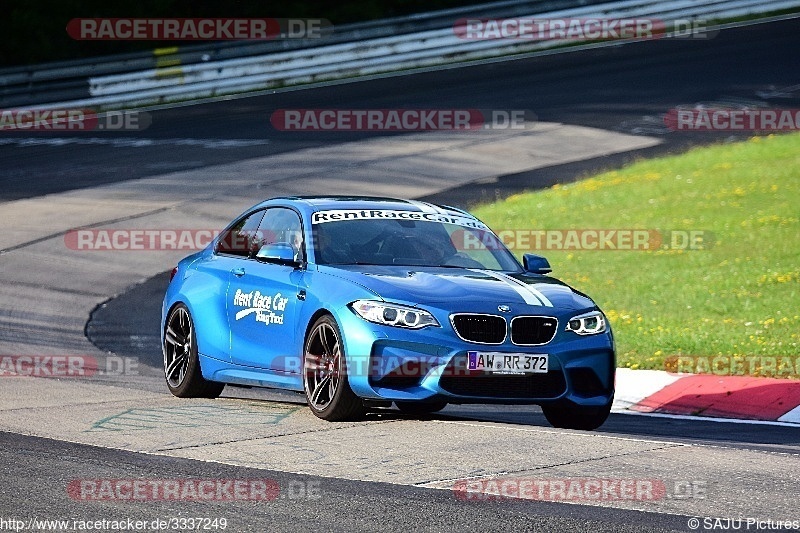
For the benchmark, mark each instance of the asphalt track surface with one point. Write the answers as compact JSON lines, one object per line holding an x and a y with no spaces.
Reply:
{"x":342,"y":505}
{"x":617,"y":88}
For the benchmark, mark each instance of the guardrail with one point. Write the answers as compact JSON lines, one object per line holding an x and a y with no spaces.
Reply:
{"x":357,"y":50}
{"x":69,"y":80}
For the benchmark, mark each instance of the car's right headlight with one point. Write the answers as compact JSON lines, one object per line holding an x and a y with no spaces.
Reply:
{"x":588,"y":323}
{"x":393,"y":314}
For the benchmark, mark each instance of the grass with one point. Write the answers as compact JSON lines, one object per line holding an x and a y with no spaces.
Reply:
{"x":740,"y":297}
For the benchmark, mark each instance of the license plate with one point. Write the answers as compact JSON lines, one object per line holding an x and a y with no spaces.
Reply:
{"x":508,"y":363}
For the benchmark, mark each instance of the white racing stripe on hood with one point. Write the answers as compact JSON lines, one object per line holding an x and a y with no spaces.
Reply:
{"x":529,"y":296}
{"x":525,"y":286}
{"x":425,"y":207}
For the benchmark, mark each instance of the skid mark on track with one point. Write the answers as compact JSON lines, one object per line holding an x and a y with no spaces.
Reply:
{"x":193,"y":416}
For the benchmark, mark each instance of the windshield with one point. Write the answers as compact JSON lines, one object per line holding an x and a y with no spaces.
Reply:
{"x":411,"y":243}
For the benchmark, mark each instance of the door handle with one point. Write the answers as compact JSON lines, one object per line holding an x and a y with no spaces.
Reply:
{"x":238,"y":272}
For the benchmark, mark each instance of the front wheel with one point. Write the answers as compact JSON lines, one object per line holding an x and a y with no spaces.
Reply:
{"x":181,"y":363}
{"x":569,"y":415}
{"x":325,"y":382}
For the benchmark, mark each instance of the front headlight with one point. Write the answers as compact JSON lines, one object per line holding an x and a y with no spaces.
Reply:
{"x":393,"y":314}
{"x":588,"y":323}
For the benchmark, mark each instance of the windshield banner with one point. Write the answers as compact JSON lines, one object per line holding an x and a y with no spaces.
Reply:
{"x":338,"y":215}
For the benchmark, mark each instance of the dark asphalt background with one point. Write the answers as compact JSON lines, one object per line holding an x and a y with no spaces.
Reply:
{"x":613,"y":87}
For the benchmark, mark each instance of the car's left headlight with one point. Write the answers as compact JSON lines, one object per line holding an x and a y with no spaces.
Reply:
{"x":393,"y":314}
{"x":587,"y":323}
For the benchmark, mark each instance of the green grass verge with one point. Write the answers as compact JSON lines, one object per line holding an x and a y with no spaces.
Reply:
{"x":740,"y":297}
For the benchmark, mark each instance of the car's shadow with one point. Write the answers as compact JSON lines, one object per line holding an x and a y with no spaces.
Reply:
{"x":695,"y":430}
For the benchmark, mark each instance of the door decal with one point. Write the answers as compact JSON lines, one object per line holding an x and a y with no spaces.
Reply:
{"x":268,"y":309}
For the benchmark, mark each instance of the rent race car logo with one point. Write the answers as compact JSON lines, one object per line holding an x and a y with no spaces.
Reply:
{"x":339,"y":215}
{"x":268,"y":309}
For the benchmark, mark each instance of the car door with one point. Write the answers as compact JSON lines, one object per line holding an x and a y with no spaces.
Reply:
{"x":208,"y":289}
{"x":263,"y":300}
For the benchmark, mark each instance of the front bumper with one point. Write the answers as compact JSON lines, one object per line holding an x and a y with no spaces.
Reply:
{"x":396,"y":364}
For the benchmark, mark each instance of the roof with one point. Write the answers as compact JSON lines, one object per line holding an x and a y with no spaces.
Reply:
{"x":317,"y":203}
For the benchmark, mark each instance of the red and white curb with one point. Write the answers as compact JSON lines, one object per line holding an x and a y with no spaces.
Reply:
{"x":708,"y":396}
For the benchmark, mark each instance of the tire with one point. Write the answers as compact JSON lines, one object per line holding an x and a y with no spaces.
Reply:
{"x":421,"y":408}
{"x":568,"y":415}
{"x":181,"y":363}
{"x":325,"y":383}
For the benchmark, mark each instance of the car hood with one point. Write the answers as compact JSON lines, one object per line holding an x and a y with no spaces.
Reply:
{"x":428,"y":285}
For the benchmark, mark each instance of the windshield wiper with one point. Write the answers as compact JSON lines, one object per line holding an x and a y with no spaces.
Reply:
{"x":355,"y":263}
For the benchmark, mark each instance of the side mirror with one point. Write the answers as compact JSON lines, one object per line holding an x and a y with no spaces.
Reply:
{"x":536,"y":264}
{"x":279,"y":253}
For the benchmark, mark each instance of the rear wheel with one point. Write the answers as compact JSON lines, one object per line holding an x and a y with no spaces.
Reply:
{"x":421,"y":408}
{"x":181,"y":363}
{"x":568,"y":415}
{"x":325,"y":382}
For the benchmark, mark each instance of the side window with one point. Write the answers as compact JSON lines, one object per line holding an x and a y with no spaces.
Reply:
{"x":282,"y":225}
{"x":242,"y":238}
